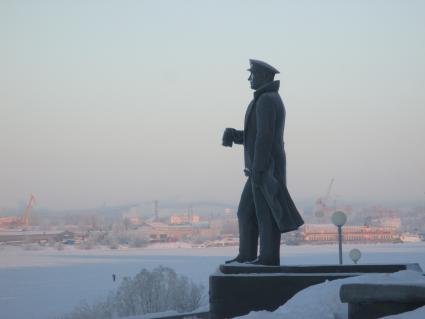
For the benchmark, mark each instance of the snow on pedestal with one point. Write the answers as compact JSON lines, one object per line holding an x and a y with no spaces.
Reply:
{"x":418,"y":313}
{"x":322,"y":301}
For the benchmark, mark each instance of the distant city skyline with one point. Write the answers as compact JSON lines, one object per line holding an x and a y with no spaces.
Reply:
{"x":121,"y":101}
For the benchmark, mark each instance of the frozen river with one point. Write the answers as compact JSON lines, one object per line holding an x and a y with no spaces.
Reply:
{"x":47,"y":283}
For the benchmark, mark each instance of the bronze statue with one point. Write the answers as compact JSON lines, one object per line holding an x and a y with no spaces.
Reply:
{"x":265,"y":209}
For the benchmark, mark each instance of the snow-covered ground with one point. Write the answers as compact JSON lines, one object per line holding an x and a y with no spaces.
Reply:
{"x":45,"y":283}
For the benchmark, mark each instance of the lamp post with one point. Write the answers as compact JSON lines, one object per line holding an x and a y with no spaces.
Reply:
{"x":339,"y":219}
{"x":355,"y":255}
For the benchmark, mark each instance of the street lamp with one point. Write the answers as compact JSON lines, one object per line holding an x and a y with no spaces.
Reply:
{"x":339,"y":219}
{"x":355,"y":255}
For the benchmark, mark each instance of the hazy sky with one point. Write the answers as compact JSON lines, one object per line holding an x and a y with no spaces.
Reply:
{"x":118,"y":101}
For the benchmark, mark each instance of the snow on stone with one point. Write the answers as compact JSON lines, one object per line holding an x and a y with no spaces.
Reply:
{"x":322,"y":301}
{"x":154,"y":315}
{"x":418,"y":313}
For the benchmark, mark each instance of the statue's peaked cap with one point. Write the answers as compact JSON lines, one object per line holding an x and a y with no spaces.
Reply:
{"x":261,"y":65}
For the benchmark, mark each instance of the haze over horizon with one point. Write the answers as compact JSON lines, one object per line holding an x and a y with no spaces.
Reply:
{"x":115,"y":102}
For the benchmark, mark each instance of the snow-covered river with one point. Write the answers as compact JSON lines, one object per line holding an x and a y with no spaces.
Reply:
{"x":47,"y":283}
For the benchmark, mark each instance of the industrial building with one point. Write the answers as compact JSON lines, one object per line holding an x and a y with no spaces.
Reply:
{"x":327,"y":233}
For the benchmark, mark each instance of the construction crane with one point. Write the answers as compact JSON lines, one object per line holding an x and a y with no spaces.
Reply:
{"x":15,"y":221}
{"x":329,"y":189}
{"x":26,"y":217}
{"x":321,"y":205}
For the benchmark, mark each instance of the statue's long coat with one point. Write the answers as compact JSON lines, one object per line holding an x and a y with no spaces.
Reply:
{"x":264,"y":152}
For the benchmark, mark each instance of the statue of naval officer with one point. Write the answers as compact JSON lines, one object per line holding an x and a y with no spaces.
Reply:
{"x":265,"y":209}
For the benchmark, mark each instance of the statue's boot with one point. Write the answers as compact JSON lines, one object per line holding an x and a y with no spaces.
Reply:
{"x":261,"y":261}
{"x":237,"y":259}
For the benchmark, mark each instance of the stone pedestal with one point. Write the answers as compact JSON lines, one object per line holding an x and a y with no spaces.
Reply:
{"x":237,"y":289}
{"x":371,"y":301}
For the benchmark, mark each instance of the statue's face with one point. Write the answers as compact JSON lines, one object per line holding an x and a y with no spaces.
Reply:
{"x":255,"y":80}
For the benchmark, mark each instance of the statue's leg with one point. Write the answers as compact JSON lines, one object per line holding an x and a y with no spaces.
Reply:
{"x":268,"y":229}
{"x":248,"y":227}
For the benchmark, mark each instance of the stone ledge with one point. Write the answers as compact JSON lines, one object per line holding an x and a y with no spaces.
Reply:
{"x":236,"y":268}
{"x":376,"y":300}
{"x":375,"y":292}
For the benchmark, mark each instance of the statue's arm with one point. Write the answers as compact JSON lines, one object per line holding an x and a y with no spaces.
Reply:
{"x":231,"y":136}
{"x":266,"y":122}
{"x":238,"y":137}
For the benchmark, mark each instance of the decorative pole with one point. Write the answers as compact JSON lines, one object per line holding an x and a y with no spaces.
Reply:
{"x":339,"y":219}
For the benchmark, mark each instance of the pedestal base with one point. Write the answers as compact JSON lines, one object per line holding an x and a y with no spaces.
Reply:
{"x":237,"y":289}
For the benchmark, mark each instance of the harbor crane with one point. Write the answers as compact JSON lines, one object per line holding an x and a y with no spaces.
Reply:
{"x":321,"y":205}
{"x":26,"y":217}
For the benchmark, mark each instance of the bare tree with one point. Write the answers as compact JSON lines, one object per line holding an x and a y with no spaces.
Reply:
{"x":158,"y":290}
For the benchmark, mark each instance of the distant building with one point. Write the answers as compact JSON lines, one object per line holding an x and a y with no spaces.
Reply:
{"x":9,"y":221}
{"x":228,"y":210}
{"x":133,"y":219}
{"x":392,"y":222}
{"x":157,"y":231}
{"x":184,"y":219}
{"x":327,"y":233}
{"x":21,"y":237}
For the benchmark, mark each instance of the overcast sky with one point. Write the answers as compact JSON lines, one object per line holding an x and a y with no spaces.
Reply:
{"x":118,"y":101}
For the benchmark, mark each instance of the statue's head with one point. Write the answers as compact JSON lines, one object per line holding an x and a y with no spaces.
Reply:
{"x":261,"y":73}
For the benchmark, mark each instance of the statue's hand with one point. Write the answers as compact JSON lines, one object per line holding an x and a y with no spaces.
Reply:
{"x":228,"y":137}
